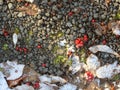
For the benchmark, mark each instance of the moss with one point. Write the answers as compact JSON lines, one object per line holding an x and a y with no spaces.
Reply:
{"x":116,"y":77}
{"x":59,"y":34}
{"x":117,"y":16}
{"x":59,"y":59}
{"x":17,"y":31}
{"x":5,"y":47}
{"x":82,"y":55}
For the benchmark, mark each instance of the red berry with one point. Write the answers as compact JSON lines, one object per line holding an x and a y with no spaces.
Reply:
{"x":36,"y":85}
{"x":20,"y":49}
{"x":39,"y":46}
{"x":43,"y":65}
{"x":5,"y":33}
{"x":89,"y":76}
{"x":70,"y":13}
{"x":17,"y":48}
{"x":77,"y":41}
{"x":104,"y":42}
{"x":26,"y":4}
{"x":85,"y":38}
{"x":25,"y":50}
{"x":93,"y":20}
{"x":81,"y":44}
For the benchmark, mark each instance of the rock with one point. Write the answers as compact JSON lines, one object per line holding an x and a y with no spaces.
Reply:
{"x":69,"y":24}
{"x":1,"y":2}
{"x":82,"y":30}
{"x":32,"y":75}
{"x":47,"y":14}
{"x":20,"y":14}
{"x":10,"y":5}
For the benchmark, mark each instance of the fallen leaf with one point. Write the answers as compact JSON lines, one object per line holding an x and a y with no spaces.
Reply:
{"x":13,"y":83}
{"x":107,"y":71}
{"x":3,"y":83}
{"x":32,"y":9}
{"x":32,"y":75}
{"x":107,"y":2}
{"x":92,"y":62}
{"x":12,"y":70}
{"x":103,"y":48}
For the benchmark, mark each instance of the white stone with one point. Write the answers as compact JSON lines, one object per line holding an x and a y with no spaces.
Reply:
{"x":10,"y":5}
{"x":1,"y":2}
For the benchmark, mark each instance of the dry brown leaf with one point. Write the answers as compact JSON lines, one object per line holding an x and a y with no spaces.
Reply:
{"x":107,"y":2}
{"x":32,"y":75}
{"x":112,"y":87}
{"x":13,"y":83}
{"x":32,"y":9}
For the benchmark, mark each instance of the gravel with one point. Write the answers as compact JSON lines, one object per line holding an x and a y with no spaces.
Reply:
{"x":48,"y":23}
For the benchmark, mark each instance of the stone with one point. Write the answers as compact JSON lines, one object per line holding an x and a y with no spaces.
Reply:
{"x":10,"y":5}
{"x":32,"y":75}
{"x":95,"y":15}
{"x":82,"y":30}
{"x":20,"y":14}
{"x":1,"y":2}
{"x":47,"y":14}
{"x":69,"y":24}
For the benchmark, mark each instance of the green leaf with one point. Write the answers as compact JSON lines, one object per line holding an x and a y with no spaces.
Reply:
{"x":59,"y":34}
{"x":116,"y":77}
{"x":5,"y":47}
{"x":30,"y":33}
{"x":1,"y":69}
{"x":17,"y":31}
{"x":59,"y":59}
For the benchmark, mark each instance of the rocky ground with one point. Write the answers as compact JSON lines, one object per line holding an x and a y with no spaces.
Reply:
{"x":40,"y":33}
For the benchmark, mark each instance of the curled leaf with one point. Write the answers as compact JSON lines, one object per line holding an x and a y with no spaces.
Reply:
{"x":15,"y":39}
{"x":12,"y":70}
{"x":76,"y":65}
{"x":3,"y":83}
{"x":13,"y":83}
{"x":107,"y":71}
{"x":103,"y":48}
{"x":92,"y":62}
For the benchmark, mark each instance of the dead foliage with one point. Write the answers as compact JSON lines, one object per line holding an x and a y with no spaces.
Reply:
{"x":31,"y":9}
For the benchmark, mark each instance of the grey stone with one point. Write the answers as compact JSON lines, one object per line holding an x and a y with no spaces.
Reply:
{"x":95,"y":15}
{"x":82,"y":30}
{"x":69,"y":24}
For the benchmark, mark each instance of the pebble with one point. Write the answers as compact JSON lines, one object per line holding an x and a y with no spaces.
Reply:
{"x":82,"y":30}
{"x":69,"y":24}
{"x":1,"y":2}
{"x":45,"y":24}
{"x":20,"y":14}
{"x":10,"y":5}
